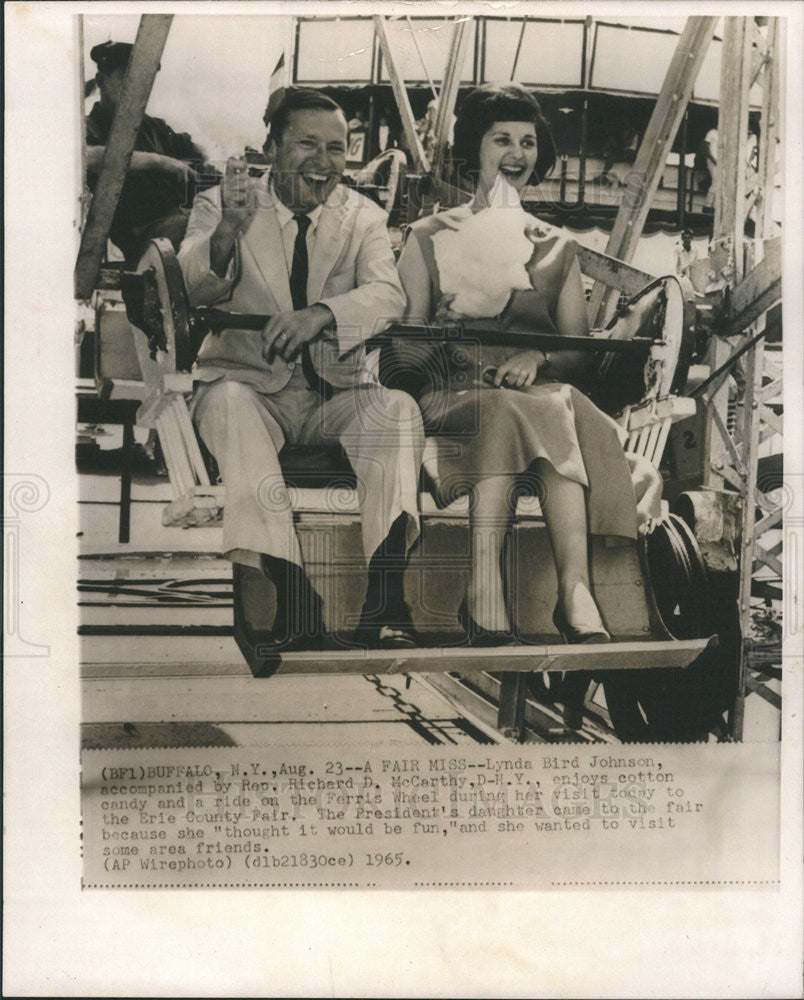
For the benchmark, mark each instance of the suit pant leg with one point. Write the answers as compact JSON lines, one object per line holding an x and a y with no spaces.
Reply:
{"x":382,"y":434}
{"x":239,"y":429}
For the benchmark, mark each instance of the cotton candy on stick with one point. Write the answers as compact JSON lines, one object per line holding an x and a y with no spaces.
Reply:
{"x":483,"y":260}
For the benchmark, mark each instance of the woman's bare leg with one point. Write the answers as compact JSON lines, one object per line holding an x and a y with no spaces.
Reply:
{"x":490,"y":512}
{"x":564,"y":508}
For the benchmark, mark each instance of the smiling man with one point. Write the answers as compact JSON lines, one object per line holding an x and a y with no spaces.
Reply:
{"x":316,"y":257}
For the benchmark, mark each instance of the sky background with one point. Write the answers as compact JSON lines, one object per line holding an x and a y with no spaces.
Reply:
{"x":214,"y":77}
{"x":214,"y":80}
{"x":215,"y":68}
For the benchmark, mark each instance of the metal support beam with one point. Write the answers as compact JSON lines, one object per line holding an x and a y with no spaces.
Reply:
{"x":758,"y":282}
{"x":682,"y":174}
{"x":767,"y":298}
{"x":652,"y":156}
{"x":749,"y":57}
{"x":511,"y":710}
{"x":449,"y":89}
{"x":769,"y":134}
{"x":729,"y":196}
{"x":760,"y":52}
{"x":82,"y":199}
{"x":732,"y":130}
{"x":519,"y":47}
{"x":715,"y":448}
{"x":401,"y":96}
{"x":421,"y":57}
{"x":750,"y":437}
{"x":136,"y":89}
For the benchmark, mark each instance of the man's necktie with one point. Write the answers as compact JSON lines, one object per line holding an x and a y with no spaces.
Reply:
{"x":299,"y":270}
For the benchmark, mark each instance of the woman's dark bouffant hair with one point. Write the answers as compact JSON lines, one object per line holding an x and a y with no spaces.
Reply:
{"x":499,"y":102}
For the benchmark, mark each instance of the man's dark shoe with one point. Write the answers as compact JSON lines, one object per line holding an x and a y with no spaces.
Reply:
{"x":262,"y":641}
{"x":386,"y":630}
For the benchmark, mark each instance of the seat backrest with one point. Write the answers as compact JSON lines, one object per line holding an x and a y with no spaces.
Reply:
{"x":384,"y":170}
{"x":116,"y":367}
{"x":664,"y":312}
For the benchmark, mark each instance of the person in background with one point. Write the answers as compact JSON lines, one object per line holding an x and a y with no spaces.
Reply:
{"x":425,"y":126}
{"x":163,"y":175}
{"x":358,"y":122}
{"x":710,"y":160}
{"x":752,"y":179}
{"x":684,"y":253}
{"x":383,"y":133}
{"x":390,"y":134}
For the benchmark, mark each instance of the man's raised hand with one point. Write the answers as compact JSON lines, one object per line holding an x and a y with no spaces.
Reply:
{"x":238,"y":195}
{"x":238,"y":208}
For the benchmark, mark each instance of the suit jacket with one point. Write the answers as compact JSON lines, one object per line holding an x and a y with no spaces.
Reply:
{"x":352,"y":272}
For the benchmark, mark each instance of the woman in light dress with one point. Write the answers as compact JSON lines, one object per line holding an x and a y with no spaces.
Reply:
{"x":528,"y":419}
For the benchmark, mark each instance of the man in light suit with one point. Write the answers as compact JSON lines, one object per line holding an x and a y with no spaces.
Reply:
{"x":316,"y":257}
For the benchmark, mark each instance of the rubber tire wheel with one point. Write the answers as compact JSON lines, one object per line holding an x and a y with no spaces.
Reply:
{"x":675,"y":705}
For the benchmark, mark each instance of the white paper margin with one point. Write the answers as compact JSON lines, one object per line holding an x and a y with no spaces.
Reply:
{"x":59,"y":941}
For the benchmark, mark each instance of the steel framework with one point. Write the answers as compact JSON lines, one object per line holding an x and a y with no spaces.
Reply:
{"x":750,"y":270}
